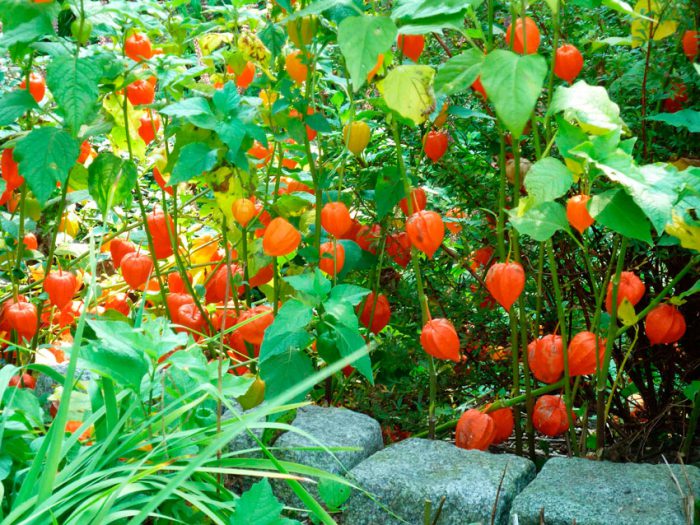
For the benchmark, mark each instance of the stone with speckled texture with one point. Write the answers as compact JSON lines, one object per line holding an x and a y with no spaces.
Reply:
{"x":45,"y":385}
{"x":604,"y":493}
{"x":332,"y":427}
{"x":403,"y":476}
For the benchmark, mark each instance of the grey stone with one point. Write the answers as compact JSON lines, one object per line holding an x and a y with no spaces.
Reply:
{"x":604,"y":493}
{"x":243,"y":441}
{"x":332,"y":427}
{"x":45,"y":385}
{"x":402,"y":477}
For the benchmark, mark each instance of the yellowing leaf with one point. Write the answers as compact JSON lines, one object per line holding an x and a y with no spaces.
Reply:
{"x":408,"y":90}
{"x":575,"y":167}
{"x":642,"y":28}
{"x":113,"y":104}
{"x":689,"y":235}
{"x":626,"y":313}
{"x":211,"y":41}
{"x":253,"y":48}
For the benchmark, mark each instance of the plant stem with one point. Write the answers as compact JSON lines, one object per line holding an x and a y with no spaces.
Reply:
{"x":422,"y":299}
{"x":605,"y":365}
{"x":561,"y":315}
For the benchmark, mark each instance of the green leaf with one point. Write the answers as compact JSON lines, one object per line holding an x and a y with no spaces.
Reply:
{"x":349,"y":292}
{"x":540,"y":222}
{"x":22,"y":401}
{"x":227,"y":100}
{"x":116,"y":354}
{"x":685,"y":118}
{"x":45,"y":157}
{"x":415,"y":9}
{"x":110,"y":180}
{"x":195,"y":110}
{"x":433,"y":24}
{"x":349,"y":340}
{"x":14,"y":104}
{"x":74,"y":85}
{"x":513,"y":83}
{"x":273,"y":36}
{"x":288,"y":330}
{"x":231,"y":133}
{"x":194,"y":159}
{"x":589,"y":106}
{"x":284,"y":370}
{"x":388,"y":190}
{"x":617,"y":211}
{"x":548,"y":179}
{"x":361,"y":39}
{"x":28,"y":31}
{"x":313,"y":286}
{"x":259,"y":506}
{"x":568,"y":137}
{"x":655,"y":188}
{"x":408,"y":90}
{"x":459,"y":72}
{"x":333,"y":493}
{"x":318,"y":122}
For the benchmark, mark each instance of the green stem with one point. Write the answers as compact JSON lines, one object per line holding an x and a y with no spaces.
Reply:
{"x":496,"y":405}
{"x":561,"y":315}
{"x":550,"y":84}
{"x":605,"y":365}
{"x":423,"y":300}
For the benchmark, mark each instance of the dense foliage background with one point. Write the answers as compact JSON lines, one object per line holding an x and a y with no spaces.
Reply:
{"x":204,"y":202}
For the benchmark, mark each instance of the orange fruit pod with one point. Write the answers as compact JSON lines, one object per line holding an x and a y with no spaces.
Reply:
{"x":568,"y":62}
{"x":10,"y":170}
{"x":418,"y":201}
{"x":631,"y":288}
{"x":411,"y":45}
{"x":691,"y":42}
{"x":150,"y":124}
{"x":37,"y":86}
{"x":549,"y":415}
{"x":505,"y":282}
{"x":582,"y":353}
{"x":136,"y":268}
{"x":475,"y":430}
{"x":295,"y":67}
{"x":439,"y":339}
{"x":21,"y":317}
{"x":435,"y":144}
{"x":245,"y":78}
{"x":577,"y":212}
{"x":280,"y":238}
{"x":161,"y":226}
{"x":546,"y":358}
{"x":254,"y":331}
{"x":140,"y":92}
{"x":504,"y":422}
{"x":335,"y":218}
{"x":664,"y":325}
{"x":330,"y":262}
{"x":61,"y":287}
{"x":426,"y":231}
{"x":221,"y":281}
{"x":243,"y":211}
{"x":382,"y":312}
{"x":118,"y":248}
{"x":527,"y":36}
{"x":138,"y":47}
